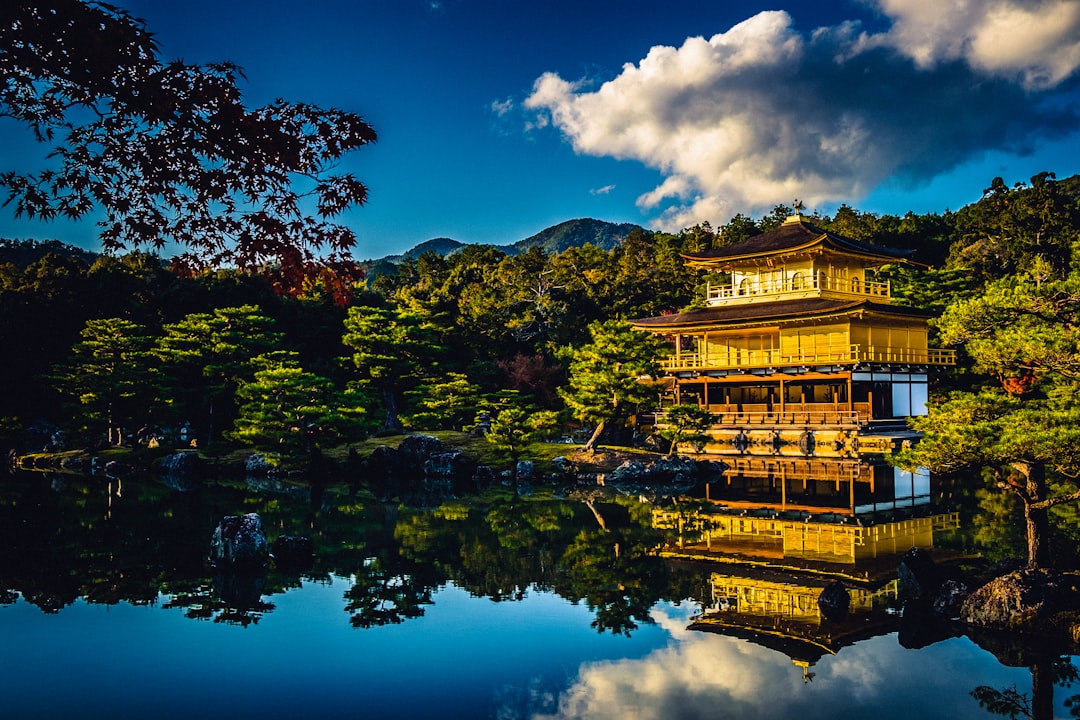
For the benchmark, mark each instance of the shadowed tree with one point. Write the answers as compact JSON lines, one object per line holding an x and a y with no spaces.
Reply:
{"x":209,"y":355}
{"x":391,"y":350}
{"x":109,"y":375}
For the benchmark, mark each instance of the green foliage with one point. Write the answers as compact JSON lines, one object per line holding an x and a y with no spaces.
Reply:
{"x":686,"y":424}
{"x":1022,"y":333}
{"x":513,"y":427}
{"x":606,"y":374}
{"x":109,"y":374}
{"x":392,"y":350}
{"x":1007,"y":230}
{"x":447,"y":404}
{"x":285,"y":411}
{"x":207,"y":356}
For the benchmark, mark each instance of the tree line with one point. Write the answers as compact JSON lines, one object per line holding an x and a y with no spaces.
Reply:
{"x":126,"y":343}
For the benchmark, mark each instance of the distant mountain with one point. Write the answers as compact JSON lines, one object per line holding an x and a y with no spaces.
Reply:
{"x":575,"y":233}
{"x":572,"y":233}
{"x":22,"y":253}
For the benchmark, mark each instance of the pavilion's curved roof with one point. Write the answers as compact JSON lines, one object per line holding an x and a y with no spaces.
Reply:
{"x":793,"y":235}
{"x":773,"y":311}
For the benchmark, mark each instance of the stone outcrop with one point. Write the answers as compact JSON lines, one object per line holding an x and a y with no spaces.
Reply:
{"x":419,"y":465}
{"x":668,"y":474}
{"x":1021,"y":600}
{"x":239,"y":543}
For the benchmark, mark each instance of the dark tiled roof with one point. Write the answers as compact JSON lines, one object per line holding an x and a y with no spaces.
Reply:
{"x":775,"y":311}
{"x":792,"y":235}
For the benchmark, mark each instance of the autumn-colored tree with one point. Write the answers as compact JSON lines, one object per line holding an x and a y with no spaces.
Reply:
{"x":168,"y":151}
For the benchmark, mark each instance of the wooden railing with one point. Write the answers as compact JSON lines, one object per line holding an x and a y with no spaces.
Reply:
{"x":813,"y":414}
{"x":799,"y":284}
{"x":842,"y":354}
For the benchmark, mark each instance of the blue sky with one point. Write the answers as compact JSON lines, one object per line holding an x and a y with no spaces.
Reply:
{"x":499,"y":118}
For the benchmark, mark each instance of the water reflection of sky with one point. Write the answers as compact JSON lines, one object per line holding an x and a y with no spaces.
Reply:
{"x":703,"y":675}
{"x":467,"y":657}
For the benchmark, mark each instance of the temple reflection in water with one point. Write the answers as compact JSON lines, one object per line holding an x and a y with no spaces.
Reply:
{"x":776,"y":531}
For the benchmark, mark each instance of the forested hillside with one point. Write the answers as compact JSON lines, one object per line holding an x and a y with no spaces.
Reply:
{"x":107,"y":346}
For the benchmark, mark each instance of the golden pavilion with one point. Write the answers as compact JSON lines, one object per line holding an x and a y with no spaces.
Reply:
{"x":800,"y":351}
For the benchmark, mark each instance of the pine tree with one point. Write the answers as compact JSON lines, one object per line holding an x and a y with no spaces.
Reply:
{"x":110,"y":375}
{"x":285,"y":410}
{"x":607,"y":374}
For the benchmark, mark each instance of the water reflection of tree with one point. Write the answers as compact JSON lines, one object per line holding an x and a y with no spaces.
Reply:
{"x":1049,"y":669}
{"x":382,"y":596}
{"x":85,"y":538}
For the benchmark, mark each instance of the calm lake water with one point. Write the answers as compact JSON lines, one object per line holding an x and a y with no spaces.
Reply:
{"x":507,"y":608}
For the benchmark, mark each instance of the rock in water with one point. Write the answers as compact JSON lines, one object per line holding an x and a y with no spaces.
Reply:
{"x":834,"y":601}
{"x":1020,"y":600}
{"x":239,"y":543}
{"x":920,"y":578}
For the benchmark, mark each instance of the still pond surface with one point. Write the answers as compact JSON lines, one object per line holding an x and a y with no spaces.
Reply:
{"x":513,"y":607}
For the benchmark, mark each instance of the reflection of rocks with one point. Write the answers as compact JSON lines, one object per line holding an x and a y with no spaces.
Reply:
{"x":277,"y":486}
{"x":240,"y":590}
{"x":834,"y":601}
{"x":116,"y":469}
{"x":180,"y":471}
{"x":667,"y":475}
{"x":919,"y":576}
{"x":1024,"y":599}
{"x":293,"y":553}
{"x":920,"y":626}
{"x":239,"y":543}
{"x":420,"y":465}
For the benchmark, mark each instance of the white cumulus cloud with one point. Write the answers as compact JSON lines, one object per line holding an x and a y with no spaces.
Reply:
{"x":762,"y":114}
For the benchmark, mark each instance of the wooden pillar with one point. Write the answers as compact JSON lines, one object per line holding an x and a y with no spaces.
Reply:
{"x":705,"y":392}
{"x":781,"y":396}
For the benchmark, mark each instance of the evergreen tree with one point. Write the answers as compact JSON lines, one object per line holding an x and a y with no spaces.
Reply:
{"x":392,"y":350}
{"x":606,"y":374}
{"x":514,"y":427}
{"x":1024,"y":334}
{"x":207,"y":356}
{"x":110,"y":375}
{"x":285,"y":411}
{"x":448,"y":404}
{"x":685,"y":424}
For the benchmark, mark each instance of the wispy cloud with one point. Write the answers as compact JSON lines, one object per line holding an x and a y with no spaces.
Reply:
{"x":606,"y":189}
{"x":762,"y":113}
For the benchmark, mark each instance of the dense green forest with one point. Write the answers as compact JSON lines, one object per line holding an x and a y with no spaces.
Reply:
{"x":114,"y":349}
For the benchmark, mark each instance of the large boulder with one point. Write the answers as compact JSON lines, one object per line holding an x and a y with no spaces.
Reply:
{"x":421,"y":465}
{"x":1027,"y":599}
{"x":239,"y":543}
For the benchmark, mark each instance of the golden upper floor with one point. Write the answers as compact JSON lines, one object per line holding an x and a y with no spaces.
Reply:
{"x":795,"y":261}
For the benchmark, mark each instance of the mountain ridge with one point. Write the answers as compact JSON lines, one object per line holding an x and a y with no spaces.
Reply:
{"x":569,"y":233}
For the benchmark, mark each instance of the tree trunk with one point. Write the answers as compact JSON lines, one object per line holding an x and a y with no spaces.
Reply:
{"x":1042,"y":690}
{"x":1036,"y":518}
{"x":390,"y":401}
{"x":591,"y":445}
